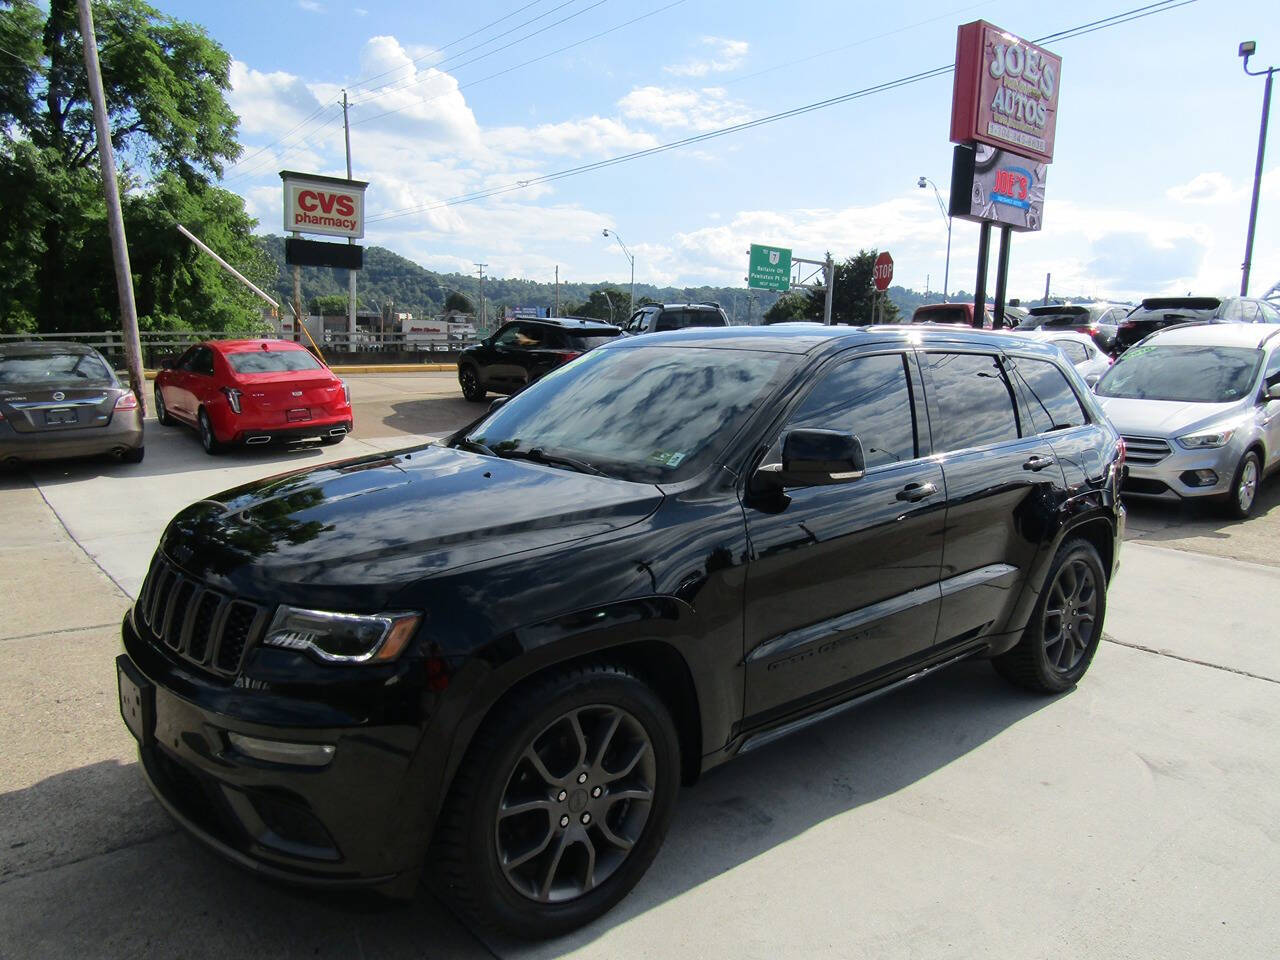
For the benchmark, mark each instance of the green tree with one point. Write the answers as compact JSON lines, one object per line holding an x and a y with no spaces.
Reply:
{"x":172,"y":130}
{"x":331,"y":304}
{"x":790,"y":306}
{"x":852,"y":299}
{"x":603,"y":303}
{"x":458,"y":301}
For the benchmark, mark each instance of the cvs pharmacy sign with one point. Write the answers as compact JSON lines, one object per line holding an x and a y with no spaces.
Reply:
{"x":325,"y":205}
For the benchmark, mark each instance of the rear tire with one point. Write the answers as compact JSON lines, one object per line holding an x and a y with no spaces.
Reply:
{"x":1066,"y":626}
{"x":577,"y":845}
{"x":1239,"y":503}
{"x":328,"y":441}
{"x":208,"y":439}
{"x":469,"y":380}
{"x":133,"y":456}
{"x":162,"y":412}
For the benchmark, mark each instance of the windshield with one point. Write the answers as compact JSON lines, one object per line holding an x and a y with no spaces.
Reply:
{"x":1190,"y":374}
{"x":272,"y":361}
{"x":649,"y":414}
{"x":74,"y":369}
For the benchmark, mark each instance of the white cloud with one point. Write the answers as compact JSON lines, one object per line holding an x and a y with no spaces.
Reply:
{"x":724,"y":55}
{"x":1210,"y":187}
{"x":593,"y":135}
{"x":705,"y":109}
{"x":360,"y":11}
{"x":311,"y":6}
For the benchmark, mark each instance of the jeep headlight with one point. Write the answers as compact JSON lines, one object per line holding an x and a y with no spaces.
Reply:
{"x":1205,"y":441}
{"x":342,"y":637}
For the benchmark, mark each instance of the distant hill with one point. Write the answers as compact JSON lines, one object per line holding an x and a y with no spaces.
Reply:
{"x":388,"y":277}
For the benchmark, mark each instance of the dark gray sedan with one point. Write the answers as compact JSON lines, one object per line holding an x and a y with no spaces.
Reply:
{"x":64,"y":400}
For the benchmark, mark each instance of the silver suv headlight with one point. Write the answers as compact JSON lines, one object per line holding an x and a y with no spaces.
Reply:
{"x":342,"y":637}
{"x":1206,"y":440}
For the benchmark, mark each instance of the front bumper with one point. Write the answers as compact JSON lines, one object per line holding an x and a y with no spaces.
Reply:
{"x":124,"y":432}
{"x":347,"y":824}
{"x":1167,"y":479}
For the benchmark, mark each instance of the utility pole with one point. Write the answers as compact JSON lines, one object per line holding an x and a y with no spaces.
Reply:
{"x":351,"y":274}
{"x":115,"y":220}
{"x":1246,"y":51}
{"x":483,"y":316}
{"x":831,"y":283}
{"x":557,"y":290}
{"x":1046,"y":289}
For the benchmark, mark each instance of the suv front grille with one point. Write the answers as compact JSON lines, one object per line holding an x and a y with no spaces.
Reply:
{"x":1146,"y":451}
{"x":203,"y":627}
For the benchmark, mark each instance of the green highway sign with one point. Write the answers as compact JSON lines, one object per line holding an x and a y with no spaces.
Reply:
{"x":769,"y":268}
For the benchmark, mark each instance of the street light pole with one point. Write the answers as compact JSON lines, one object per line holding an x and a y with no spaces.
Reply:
{"x":946,"y":275}
{"x":615,"y":236}
{"x":1246,"y":51}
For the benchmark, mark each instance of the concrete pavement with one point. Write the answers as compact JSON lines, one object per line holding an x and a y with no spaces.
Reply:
{"x":1132,"y":817}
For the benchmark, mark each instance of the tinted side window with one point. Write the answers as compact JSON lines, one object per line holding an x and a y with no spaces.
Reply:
{"x":869,"y":397}
{"x":1054,"y":405}
{"x":202,"y":362}
{"x":970,"y":401}
{"x":1273,"y":368}
{"x":507,"y":336}
{"x":1269,"y":313}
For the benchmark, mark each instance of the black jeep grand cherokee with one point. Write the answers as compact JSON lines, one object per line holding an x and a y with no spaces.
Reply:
{"x":499,"y":656}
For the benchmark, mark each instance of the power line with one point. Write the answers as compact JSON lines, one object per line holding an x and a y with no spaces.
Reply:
{"x":526,"y":63}
{"x":314,"y":113}
{"x":287,"y":149}
{"x":457,"y":66}
{"x":367,"y":80}
{"x":1127,"y":16}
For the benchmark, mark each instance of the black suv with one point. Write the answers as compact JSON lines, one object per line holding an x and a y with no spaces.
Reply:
{"x":1156,"y":313}
{"x":500,"y":655}
{"x":660,"y":317}
{"x":522,"y":351}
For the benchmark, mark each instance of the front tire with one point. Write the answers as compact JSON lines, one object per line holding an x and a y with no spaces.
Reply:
{"x":1066,"y":627}
{"x":162,"y":412}
{"x":1240,"y":501}
{"x":208,"y":439}
{"x":561,"y":804}
{"x":469,"y":380}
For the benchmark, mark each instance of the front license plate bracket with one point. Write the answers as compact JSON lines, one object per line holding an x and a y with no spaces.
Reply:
{"x":137,"y":701}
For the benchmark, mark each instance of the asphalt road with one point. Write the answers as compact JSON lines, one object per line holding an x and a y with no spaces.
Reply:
{"x":1132,"y":817}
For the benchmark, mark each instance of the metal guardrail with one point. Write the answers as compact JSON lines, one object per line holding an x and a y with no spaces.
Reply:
{"x":158,"y":344}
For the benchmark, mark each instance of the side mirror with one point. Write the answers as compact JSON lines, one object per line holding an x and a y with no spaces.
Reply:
{"x":1092,"y":379}
{"x":497,"y":402}
{"x":167,"y":361}
{"x":813,"y":458}
{"x":1271,"y":391}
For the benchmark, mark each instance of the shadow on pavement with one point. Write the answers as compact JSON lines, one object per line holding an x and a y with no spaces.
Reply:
{"x":434,"y":415}
{"x":167,"y":896}
{"x":1161,"y":520}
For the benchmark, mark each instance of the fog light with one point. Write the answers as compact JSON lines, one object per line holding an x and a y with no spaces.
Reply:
{"x":1199,"y":478}
{"x":283,"y":751}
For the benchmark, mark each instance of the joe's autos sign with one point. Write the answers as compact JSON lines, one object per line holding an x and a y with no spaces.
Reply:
{"x":1006,"y":92}
{"x":324,"y":205}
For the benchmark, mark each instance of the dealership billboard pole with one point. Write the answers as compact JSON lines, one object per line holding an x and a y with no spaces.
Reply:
{"x":115,"y":219}
{"x":1004,"y":115}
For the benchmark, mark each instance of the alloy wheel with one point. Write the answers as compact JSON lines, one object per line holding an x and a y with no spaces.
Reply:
{"x":470,"y":384}
{"x":1248,"y":486}
{"x":575,"y":803}
{"x":206,"y":432}
{"x":1070,"y":615}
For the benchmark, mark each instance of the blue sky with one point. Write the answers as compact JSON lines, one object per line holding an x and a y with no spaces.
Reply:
{"x":1148,"y":192}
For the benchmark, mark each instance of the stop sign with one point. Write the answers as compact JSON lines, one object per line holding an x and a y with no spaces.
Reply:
{"x":883,"y":271}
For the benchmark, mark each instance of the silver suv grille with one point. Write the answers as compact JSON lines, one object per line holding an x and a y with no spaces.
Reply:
{"x":203,"y":627}
{"x":1146,"y":451}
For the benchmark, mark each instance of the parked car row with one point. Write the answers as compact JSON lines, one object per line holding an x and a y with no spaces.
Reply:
{"x":64,"y":400}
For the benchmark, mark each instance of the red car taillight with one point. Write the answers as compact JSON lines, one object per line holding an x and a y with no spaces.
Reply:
{"x":127,"y":401}
{"x":566,"y":355}
{"x":233,"y":398}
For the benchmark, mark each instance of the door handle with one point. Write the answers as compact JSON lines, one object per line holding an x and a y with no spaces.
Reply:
{"x":914,"y":492}
{"x":1038,"y":463}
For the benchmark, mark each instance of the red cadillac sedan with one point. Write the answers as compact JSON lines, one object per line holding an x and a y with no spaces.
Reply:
{"x":253,"y":391}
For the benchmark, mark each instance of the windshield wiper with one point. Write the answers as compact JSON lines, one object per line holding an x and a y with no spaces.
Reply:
{"x":539,"y":455}
{"x":475,"y":446}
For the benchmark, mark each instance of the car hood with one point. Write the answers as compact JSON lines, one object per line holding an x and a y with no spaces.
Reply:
{"x":1163,"y":418}
{"x":361,"y":530}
